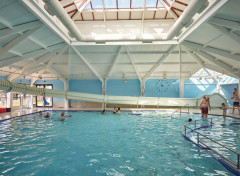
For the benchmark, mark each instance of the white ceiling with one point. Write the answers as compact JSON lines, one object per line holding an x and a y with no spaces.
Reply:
{"x":34,"y":46}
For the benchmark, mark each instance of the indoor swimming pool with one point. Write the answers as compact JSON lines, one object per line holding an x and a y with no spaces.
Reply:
{"x":91,"y":143}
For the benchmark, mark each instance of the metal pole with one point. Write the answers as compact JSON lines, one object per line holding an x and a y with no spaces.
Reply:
{"x":198,"y":138}
{"x":238,"y":162}
{"x":188,"y":108}
{"x":180,"y":111}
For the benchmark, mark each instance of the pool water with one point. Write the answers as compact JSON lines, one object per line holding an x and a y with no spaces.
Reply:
{"x":226,"y":132}
{"x":89,"y":144}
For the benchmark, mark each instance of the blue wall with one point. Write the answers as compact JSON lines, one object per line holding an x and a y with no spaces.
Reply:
{"x":227,"y":90}
{"x":3,"y":77}
{"x":93,"y":86}
{"x":195,"y":87}
{"x":118,"y":87}
{"x":162,"y":88}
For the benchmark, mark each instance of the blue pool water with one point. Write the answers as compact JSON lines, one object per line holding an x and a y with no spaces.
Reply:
{"x":89,"y":144}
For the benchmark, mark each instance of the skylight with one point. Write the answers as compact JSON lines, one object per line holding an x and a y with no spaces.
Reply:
{"x":137,"y":3}
{"x":96,"y":4}
{"x":110,"y":4}
{"x":124,"y":4}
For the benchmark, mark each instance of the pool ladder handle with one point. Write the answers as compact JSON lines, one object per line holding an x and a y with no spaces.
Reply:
{"x":198,"y":141}
{"x":180,"y":108}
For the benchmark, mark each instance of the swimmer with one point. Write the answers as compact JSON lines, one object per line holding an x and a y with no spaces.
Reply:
{"x":104,"y":111}
{"x":40,"y":113}
{"x":115,"y":110}
{"x":62,"y":116}
{"x":119,"y":110}
{"x":190,"y":120}
{"x":47,"y":115}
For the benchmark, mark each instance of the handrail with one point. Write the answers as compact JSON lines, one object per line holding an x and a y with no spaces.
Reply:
{"x":206,"y":137}
{"x":180,"y":110}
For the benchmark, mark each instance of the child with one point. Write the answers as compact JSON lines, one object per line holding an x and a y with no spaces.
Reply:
{"x":224,"y":108}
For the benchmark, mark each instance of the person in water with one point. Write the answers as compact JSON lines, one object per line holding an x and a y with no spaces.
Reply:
{"x":40,"y":113}
{"x":190,"y":120}
{"x":47,"y":115}
{"x":104,"y":111}
{"x":119,"y":110}
{"x":115,"y":110}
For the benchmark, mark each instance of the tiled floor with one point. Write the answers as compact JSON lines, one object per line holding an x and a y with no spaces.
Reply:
{"x":16,"y":113}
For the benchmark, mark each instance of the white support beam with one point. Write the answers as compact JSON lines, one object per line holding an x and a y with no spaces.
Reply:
{"x":229,"y":69}
{"x":227,"y":32}
{"x":143,"y":14}
{"x":43,"y":58}
{"x":36,"y":69}
{"x":159,"y":62}
{"x":47,"y":19}
{"x":53,"y":71}
{"x":80,"y":10}
{"x":34,"y":54}
{"x":113,"y":63}
{"x":170,"y":11}
{"x":103,"y":8}
{"x":133,"y":63}
{"x":210,"y":10}
{"x":5,"y":22}
{"x":37,"y":42}
{"x":17,"y":40}
{"x":199,"y":60}
{"x":19,"y":28}
{"x":87,"y":63}
{"x":234,"y":25}
{"x":216,"y":51}
{"x":110,"y":43}
{"x":51,"y":56}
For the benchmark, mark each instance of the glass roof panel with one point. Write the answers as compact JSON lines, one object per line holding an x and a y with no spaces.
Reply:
{"x":170,"y":1}
{"x":151,"y":3}
{"x":88,"y":6}
{"x":96,"y":4}
{"x":137,"y":3}
{"x":80,"y":3}
{"x":125,"y":4}
{"x":110,"y":4}
{"x":159,"y":4}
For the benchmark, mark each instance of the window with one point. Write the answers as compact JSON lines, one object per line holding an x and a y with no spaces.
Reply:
{"x":39,"y":99}
{"x":3,"y":99}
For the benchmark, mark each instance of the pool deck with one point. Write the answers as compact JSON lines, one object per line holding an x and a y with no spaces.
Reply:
{"x":16,"y":113}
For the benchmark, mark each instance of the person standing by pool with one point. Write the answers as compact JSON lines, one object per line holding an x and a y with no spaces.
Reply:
{"x":224,"y":108}
{"x":204,"y":106}
{"x":235,"y":98}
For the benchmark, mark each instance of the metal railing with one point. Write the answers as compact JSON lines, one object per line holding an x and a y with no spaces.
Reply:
{"x":180,"y":108}
{"x":200,"y":141}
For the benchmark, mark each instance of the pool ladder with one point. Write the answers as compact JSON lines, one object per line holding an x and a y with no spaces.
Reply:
{"x":199,"y":141}
{"x":180,"y":108}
